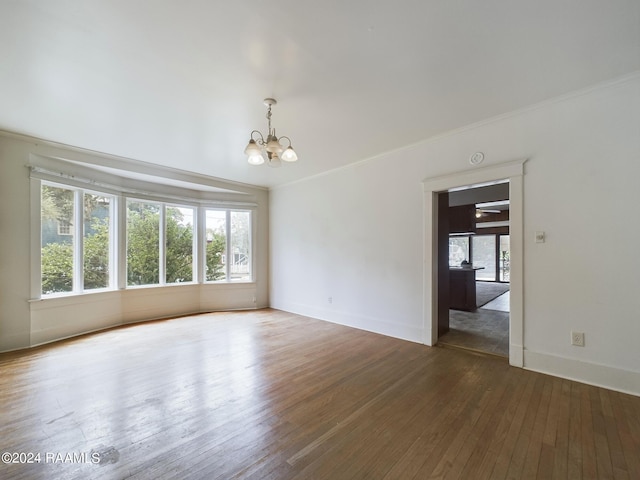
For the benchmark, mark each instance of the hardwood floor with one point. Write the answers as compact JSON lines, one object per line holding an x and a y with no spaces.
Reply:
{"x":271,"y":395}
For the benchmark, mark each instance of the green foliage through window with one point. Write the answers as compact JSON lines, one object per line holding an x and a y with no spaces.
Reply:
{"x":58,"y":239}
{"x":143,"y":243}
{"x":223,"y":229}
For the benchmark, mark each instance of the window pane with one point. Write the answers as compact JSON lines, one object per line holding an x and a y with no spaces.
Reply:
{"x":143,"y":243}
{"x":57,"y":239}
{"x":216,"y":237}
{"x":504,"y":258}
{"x":179,"y":245}
{"x":458,"y":250}
{"x":240,"y":260}
{"x":484,"y":255}
{"x":97,"y":213}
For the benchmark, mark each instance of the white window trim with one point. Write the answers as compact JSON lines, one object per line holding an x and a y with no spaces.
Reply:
{"x":195,"y":269}
{"x":78,"y":239}
{"x":118,"y":220}
{"x":252,"y":230}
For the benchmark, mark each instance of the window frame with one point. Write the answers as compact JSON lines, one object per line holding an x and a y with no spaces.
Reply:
{"x":77,"y":228}
{"x":120,"y":196}
{"x":227,"y":265}
{"x":194,"y":242}
{"x":125,"y":247}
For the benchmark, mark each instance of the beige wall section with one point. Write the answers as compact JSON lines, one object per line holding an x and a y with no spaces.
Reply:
{"x":15,"y":263}
{"x":64,"y":317}
{"x":27,"y":321}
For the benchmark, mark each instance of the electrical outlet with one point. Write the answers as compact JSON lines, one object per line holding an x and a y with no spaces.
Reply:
{"x":577,"y":339}
{"x":330,"y":299}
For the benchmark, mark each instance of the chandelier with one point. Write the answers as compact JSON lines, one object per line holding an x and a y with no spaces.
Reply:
{"x":258,"y":150}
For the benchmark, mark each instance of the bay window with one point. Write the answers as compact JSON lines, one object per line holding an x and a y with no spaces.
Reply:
{"x":92,"y":241}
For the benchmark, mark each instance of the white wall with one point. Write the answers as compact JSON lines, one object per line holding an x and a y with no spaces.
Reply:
{"x":26,"y":321}
{"x":356,"y":234}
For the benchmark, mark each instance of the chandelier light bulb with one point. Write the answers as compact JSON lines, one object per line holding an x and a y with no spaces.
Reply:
{"x":252,"y":148}
{"x":289,"y":155}
{"x":274,"y":161}
{"x":256,"y":159}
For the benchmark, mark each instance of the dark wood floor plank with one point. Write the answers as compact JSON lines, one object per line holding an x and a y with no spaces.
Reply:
{"x":484,"y":455}
{"x":534,"y":450}
{"x":524,"y":437}
{"x":561,"y":449}
{"x":503,"y":462}
{"x":551,"y":423}
{"x":491,"y":453}
{"x":603,"y":454}
{"x":448,"y":443}
{"x":404,"y":402}
{"x":457,"y":456}
{"x":443,"y":417}
{"x":589,"y":464}
{"x":574,"y":461}
{"x":269,"y":395}
{"x":630,"y":445}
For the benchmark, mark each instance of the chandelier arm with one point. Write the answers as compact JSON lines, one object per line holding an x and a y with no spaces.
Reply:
{"x":258,"y":141}
{"x":288,"y":139}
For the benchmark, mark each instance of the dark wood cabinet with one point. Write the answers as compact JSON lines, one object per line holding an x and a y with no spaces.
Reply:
{"x":462,"y":288}
{"x":462,"y":219}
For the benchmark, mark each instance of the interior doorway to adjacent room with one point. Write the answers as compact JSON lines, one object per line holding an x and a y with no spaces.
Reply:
{"x":475,"y":248}
{"x":512,"y":171}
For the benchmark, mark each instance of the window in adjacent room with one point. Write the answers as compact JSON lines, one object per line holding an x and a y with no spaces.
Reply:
{"x":458,"y":250}
{"x":484,"y":255}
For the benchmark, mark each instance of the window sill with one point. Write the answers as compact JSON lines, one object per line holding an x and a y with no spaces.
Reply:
{"x":67,"y":299}
{"x":73,"y":298}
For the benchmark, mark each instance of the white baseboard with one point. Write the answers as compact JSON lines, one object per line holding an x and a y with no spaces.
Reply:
{"x":516,"y":355}
{"x":612,"y":378}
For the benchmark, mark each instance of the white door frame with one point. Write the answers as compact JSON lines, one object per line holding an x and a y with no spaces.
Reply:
{"x":512,"y":171}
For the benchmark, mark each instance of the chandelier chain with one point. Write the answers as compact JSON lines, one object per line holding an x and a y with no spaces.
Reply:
{"x":269,"y":120}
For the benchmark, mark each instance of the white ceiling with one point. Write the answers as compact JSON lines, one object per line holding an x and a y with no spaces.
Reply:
{"x":180,"y":83}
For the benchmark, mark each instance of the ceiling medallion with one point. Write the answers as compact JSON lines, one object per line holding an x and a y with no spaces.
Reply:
{"x":476,"y":158}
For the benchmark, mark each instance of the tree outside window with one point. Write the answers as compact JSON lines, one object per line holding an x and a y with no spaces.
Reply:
{"x":227,"y":234}
{"x":58,"y":239}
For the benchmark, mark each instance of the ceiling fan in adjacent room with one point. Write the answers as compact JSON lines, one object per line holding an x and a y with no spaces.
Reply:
{"x":483,"y":212}
{"x":491,"y":208}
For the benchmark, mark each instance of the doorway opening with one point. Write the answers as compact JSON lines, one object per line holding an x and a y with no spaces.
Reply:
{"x":478,"y":251}
{"x":436,"y":278}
